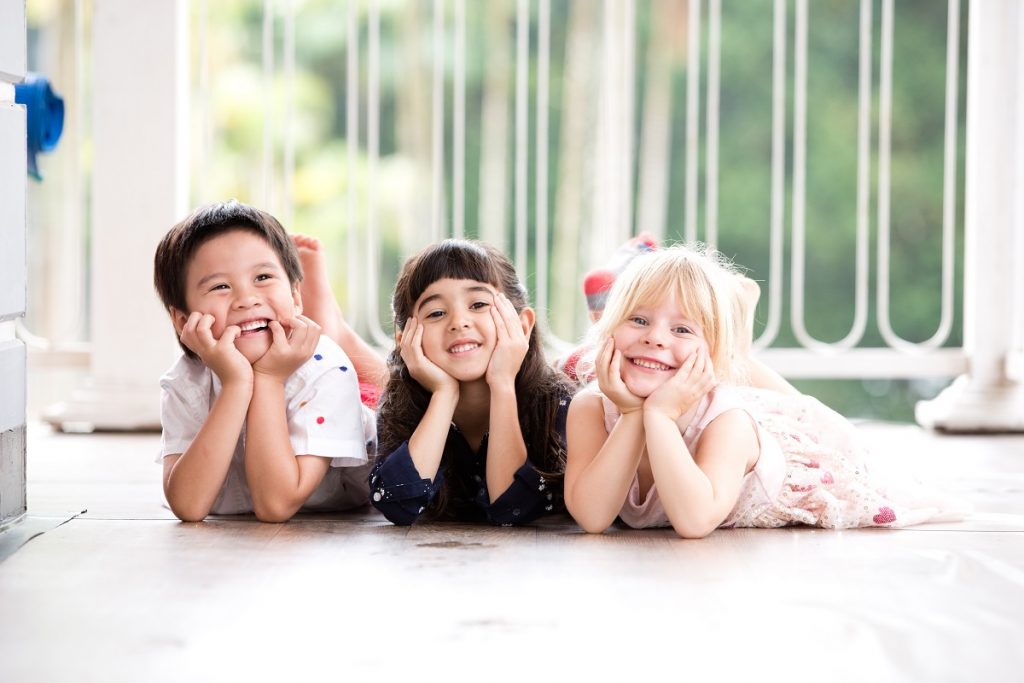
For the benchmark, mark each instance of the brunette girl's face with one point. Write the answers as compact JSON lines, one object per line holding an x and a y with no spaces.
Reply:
{"x":654,"y":340}
{"x":458,"y":331}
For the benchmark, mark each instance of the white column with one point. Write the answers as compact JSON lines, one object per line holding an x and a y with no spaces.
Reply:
{"x":990,"y":397}
{"x":139,"y":190}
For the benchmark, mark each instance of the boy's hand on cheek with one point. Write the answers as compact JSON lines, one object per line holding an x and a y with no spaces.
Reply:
{"x":294,"y":342}
{"x":609,"y":380}
{"x":220,"y":355}
{"x":694,"y":378}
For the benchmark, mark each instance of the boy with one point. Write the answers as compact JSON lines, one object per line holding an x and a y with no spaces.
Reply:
{"x":262,"y":414}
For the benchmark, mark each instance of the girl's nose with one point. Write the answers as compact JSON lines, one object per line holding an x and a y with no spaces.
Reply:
{"x":653,"y":338}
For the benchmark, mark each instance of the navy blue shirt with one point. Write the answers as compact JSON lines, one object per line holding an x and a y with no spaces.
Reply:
{"x":402,"y":495}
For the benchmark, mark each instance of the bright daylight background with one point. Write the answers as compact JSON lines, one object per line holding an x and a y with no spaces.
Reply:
{"x":324,"y":111}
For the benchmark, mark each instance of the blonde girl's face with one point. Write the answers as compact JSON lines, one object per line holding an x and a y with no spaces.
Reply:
{"x":458,"y":331}
{"x":655,"y":340}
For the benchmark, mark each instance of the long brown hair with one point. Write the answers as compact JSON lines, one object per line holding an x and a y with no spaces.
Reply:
{"x":405,"y":401}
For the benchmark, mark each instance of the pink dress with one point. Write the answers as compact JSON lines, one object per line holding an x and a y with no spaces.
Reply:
{"x":812,"y":470}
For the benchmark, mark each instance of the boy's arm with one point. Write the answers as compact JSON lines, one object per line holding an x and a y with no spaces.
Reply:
{"x":279,"y":481}
{"x":193,"y":479}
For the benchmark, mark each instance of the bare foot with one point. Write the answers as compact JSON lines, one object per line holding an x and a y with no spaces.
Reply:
{"x":319,"y":303}
{"x":318,"y":300}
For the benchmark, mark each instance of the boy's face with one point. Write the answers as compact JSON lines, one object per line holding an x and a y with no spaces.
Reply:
{"x":238,"y":278}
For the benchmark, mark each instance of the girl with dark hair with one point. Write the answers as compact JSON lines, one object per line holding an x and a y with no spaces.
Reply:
{"x":471,"y":423}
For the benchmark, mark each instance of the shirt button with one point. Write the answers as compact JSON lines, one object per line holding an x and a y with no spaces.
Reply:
{"x":376,"y":495}
{"x":515,"y":512}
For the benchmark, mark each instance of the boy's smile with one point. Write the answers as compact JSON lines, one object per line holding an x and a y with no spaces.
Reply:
{"x":238,"y":278}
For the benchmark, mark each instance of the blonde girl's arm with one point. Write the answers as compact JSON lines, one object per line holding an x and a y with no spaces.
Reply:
{"x":697,"y":490}
{"x":601,"y":466}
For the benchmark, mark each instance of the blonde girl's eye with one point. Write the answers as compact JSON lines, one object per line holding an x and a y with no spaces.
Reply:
{"x":638,"y":320}
{"x":683,"y":329}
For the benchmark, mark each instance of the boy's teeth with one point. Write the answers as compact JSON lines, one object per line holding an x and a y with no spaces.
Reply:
{"x":462,"y":348}
{"x":254,"y":325}
{"x":650,"y":365}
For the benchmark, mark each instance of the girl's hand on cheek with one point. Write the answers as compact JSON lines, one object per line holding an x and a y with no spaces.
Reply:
{"x":609,"y":379}
{"x":430,"y":377}
{"x":511,"y":344}
{"x":220,"y":355}
{"x":694,"y":378}
{"x":294,"y":341}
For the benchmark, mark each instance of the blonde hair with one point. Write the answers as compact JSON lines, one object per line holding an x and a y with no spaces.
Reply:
{"x":706,"y":284}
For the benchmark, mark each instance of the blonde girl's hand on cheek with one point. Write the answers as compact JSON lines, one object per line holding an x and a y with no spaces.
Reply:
{"x":430,"y":376}
{"x":694,"y":378}
{"x":609,"y":379}
{"x":220,"y":355}
{"x":294,"y":341}
{"x":511,"y":344}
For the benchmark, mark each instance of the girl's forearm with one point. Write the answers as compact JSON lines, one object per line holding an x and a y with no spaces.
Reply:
{"x":506,"y":449}
{"x":196,"y":478}
{"x":426,"y":445}
{"x":599,"y":491}
{"x":685,"y":491}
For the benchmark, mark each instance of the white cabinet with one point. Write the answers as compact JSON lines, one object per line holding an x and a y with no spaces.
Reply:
{"x":12,"y":262}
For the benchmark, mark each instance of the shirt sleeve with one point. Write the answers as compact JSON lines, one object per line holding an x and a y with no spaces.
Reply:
{"x":398,"y":490}
{"x":183,"y":407}
{"x":530,"y":495}
{"x":325,"y":414}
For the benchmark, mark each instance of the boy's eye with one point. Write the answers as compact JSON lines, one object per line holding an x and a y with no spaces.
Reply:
{"x":263,"y":276}
{"x":218,"y":286}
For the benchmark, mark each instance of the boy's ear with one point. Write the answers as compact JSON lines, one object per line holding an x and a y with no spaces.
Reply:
{"x":297,"y":300}
{"x":178,"y":319}
{"x":529,"y":318}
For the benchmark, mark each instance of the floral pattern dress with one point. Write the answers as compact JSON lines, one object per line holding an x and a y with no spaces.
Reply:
{"x":812,"y":469}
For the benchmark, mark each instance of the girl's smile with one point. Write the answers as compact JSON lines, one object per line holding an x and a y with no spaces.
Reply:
{"x":654,"y":341}
{"x":458,"y":330}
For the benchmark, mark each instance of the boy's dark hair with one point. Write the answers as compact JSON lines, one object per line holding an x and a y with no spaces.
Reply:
{"x":540,"y":389}
{"x":179,"y":245}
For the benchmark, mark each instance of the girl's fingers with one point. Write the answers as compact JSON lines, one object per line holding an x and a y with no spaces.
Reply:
{"x":500,"y":324}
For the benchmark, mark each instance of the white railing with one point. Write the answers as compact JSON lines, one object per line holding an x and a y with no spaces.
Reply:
{"x":611,"y":195}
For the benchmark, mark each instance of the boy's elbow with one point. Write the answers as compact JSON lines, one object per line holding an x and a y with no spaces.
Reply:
{"x":274,"y":512}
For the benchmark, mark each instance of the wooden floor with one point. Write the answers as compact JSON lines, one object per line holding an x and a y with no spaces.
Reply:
{"x":123,"y":592}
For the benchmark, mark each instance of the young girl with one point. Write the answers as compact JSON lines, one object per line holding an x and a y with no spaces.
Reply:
{"x":669,"y":438}
{"x":472,"y":420}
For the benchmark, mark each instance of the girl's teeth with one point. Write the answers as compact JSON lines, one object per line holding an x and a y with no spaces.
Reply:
{"x":650,"y":365}
{"x":462,"y":348}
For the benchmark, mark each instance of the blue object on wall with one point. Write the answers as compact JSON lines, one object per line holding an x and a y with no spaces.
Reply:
{"x":45,"y":117}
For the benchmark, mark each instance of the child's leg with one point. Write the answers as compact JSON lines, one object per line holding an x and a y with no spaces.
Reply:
{"x":760,"y":375}
{"x":319,"y":304}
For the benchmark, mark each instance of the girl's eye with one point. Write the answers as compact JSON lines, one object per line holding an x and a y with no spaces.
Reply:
{"x":682,"y":329}
{"x":434,"y":314}
{"x":637,"y":320}
{"x":477,"y":305}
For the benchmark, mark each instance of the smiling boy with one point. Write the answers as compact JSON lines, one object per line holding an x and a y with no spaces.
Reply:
{"x":262,"y":413}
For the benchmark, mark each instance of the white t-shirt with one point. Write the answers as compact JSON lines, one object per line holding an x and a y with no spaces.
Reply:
{"x":325,"y":418}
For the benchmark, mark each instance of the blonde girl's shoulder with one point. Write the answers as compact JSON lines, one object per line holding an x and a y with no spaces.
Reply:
{"x":587,"y":407}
